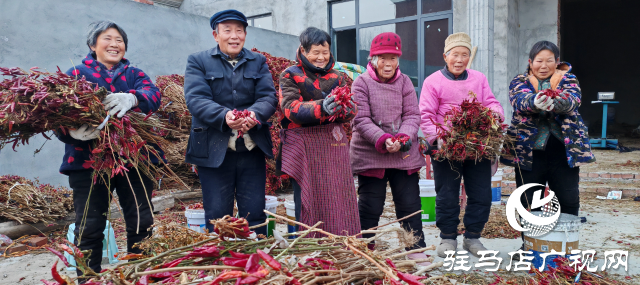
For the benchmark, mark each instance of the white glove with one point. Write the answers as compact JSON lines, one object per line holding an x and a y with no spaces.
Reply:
{"x":119,"y":103}
{"x":85,"y":133}
{"x":543,"y":102}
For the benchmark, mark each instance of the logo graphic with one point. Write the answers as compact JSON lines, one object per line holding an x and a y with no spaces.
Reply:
{"x":536,"y":225}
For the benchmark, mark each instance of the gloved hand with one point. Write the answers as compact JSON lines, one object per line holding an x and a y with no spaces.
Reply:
{"x":543,"y":102}
{"x":85,"y":133}
{"x":406,"y":146}
{"x":329,"y":105}
{"x":119,"y":103}
{"x":561,"y":105}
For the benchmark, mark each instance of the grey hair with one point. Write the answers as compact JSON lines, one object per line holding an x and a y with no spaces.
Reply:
{"x":97,"y":28}
{"x":374,"y":61}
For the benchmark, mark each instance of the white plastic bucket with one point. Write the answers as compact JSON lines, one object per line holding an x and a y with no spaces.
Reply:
{"x":564,"y":237}
{"x":428,"y":201}
{"x":496,"y":188}
{"x":271,"y":205}
{"x":290,"y":206}
{"x":196,"y":220}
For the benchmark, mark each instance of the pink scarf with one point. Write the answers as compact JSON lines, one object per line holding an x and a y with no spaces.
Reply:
{"x":372,"y":71}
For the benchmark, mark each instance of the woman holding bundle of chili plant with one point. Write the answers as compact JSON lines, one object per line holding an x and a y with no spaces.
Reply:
{"x":315,"y":149}
{"x":131,"y":89}
{"x":384,"y":147}
{"x":442,"y":91}
{"x":551,"y":139}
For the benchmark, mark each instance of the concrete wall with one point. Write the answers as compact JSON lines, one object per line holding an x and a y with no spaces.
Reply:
{"x":289,"y":16}
{"x":506,"y":29}
{"x":538,"y":21}
{"x":53,"y":34}
{"x":501,"y":74}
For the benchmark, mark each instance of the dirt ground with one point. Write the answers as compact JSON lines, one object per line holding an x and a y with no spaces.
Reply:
{"x":608,"y":160}
{"x":611,"y":225}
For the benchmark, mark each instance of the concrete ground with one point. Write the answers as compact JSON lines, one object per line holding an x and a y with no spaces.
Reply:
{"x":611,"y":225}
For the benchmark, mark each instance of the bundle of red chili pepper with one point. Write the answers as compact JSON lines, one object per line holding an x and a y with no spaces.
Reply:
{"x":343,"y":98}
{"x":471,"y":131}
{"x":36,"y":102}
{"x":245,"y":114}
{"x":230,"y":227}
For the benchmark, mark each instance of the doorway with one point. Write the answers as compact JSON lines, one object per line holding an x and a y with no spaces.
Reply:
{"x":600,"y":40}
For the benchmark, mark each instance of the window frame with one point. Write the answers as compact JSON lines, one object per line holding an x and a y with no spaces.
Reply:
{"x":420,"y":19}
{"x":259,"y":16}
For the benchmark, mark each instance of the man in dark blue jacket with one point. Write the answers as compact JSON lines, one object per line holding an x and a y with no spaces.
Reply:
{"x":218,"y":81}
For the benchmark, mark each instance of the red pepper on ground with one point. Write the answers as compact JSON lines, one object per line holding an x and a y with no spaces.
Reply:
{"x":239,"y":254}
{"x":269,"y":260}
{"x":205,"y":251}
{"x":232,"y":261}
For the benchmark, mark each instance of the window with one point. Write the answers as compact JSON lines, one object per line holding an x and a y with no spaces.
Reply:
{"x":423,"y":26}
{"x":264,"y":21}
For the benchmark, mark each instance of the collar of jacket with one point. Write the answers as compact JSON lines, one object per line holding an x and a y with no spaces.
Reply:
{"x":244,"y":54}
{"x":561,"y":70}
{"x":92,"y":62}
{"x":312,"y":68}
{"x":372,"y":72}
{"x":451,"y":76}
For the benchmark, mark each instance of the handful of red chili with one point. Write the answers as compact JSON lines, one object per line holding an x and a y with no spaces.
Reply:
{"x":245,"y":114}
{"x":343,"y":98}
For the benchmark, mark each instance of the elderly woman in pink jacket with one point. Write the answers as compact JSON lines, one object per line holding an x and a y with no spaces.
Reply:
{"x":387,"y":109}
{"x":441,"y":91}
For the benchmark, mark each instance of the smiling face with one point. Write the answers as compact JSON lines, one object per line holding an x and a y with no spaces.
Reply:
{"x":387,"y":65}
{"x":109,"y":47}
{"x":318,"y":55}
{"x":544,"y":64}
{"x":230,"y":36}
{"x":457,"y":60}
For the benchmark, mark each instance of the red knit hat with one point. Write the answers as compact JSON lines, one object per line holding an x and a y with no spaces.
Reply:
{"x":386,"y":43}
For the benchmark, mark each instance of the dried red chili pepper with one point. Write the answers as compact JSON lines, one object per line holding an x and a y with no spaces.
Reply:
{"x":205,"y":251}
{"x":56,"y":275}
{"x":269,"y":260}
{"x":131,"y":256}
{"x":232,"y":261}
{"x":239,"y":254}
{"x":410,"y":279}
{"x":224,"y":276}
{"x":59,"y":255}
{"x":163,"y":275}
{"x":175,"y":262}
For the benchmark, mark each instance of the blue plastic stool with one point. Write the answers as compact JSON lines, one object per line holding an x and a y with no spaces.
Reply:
{"x":109,"y":246}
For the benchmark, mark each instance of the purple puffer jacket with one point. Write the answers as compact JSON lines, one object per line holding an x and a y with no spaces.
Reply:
{"x":384,"y":109}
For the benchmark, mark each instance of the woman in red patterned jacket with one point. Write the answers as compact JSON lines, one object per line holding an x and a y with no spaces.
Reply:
{"x":315,"y":151}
